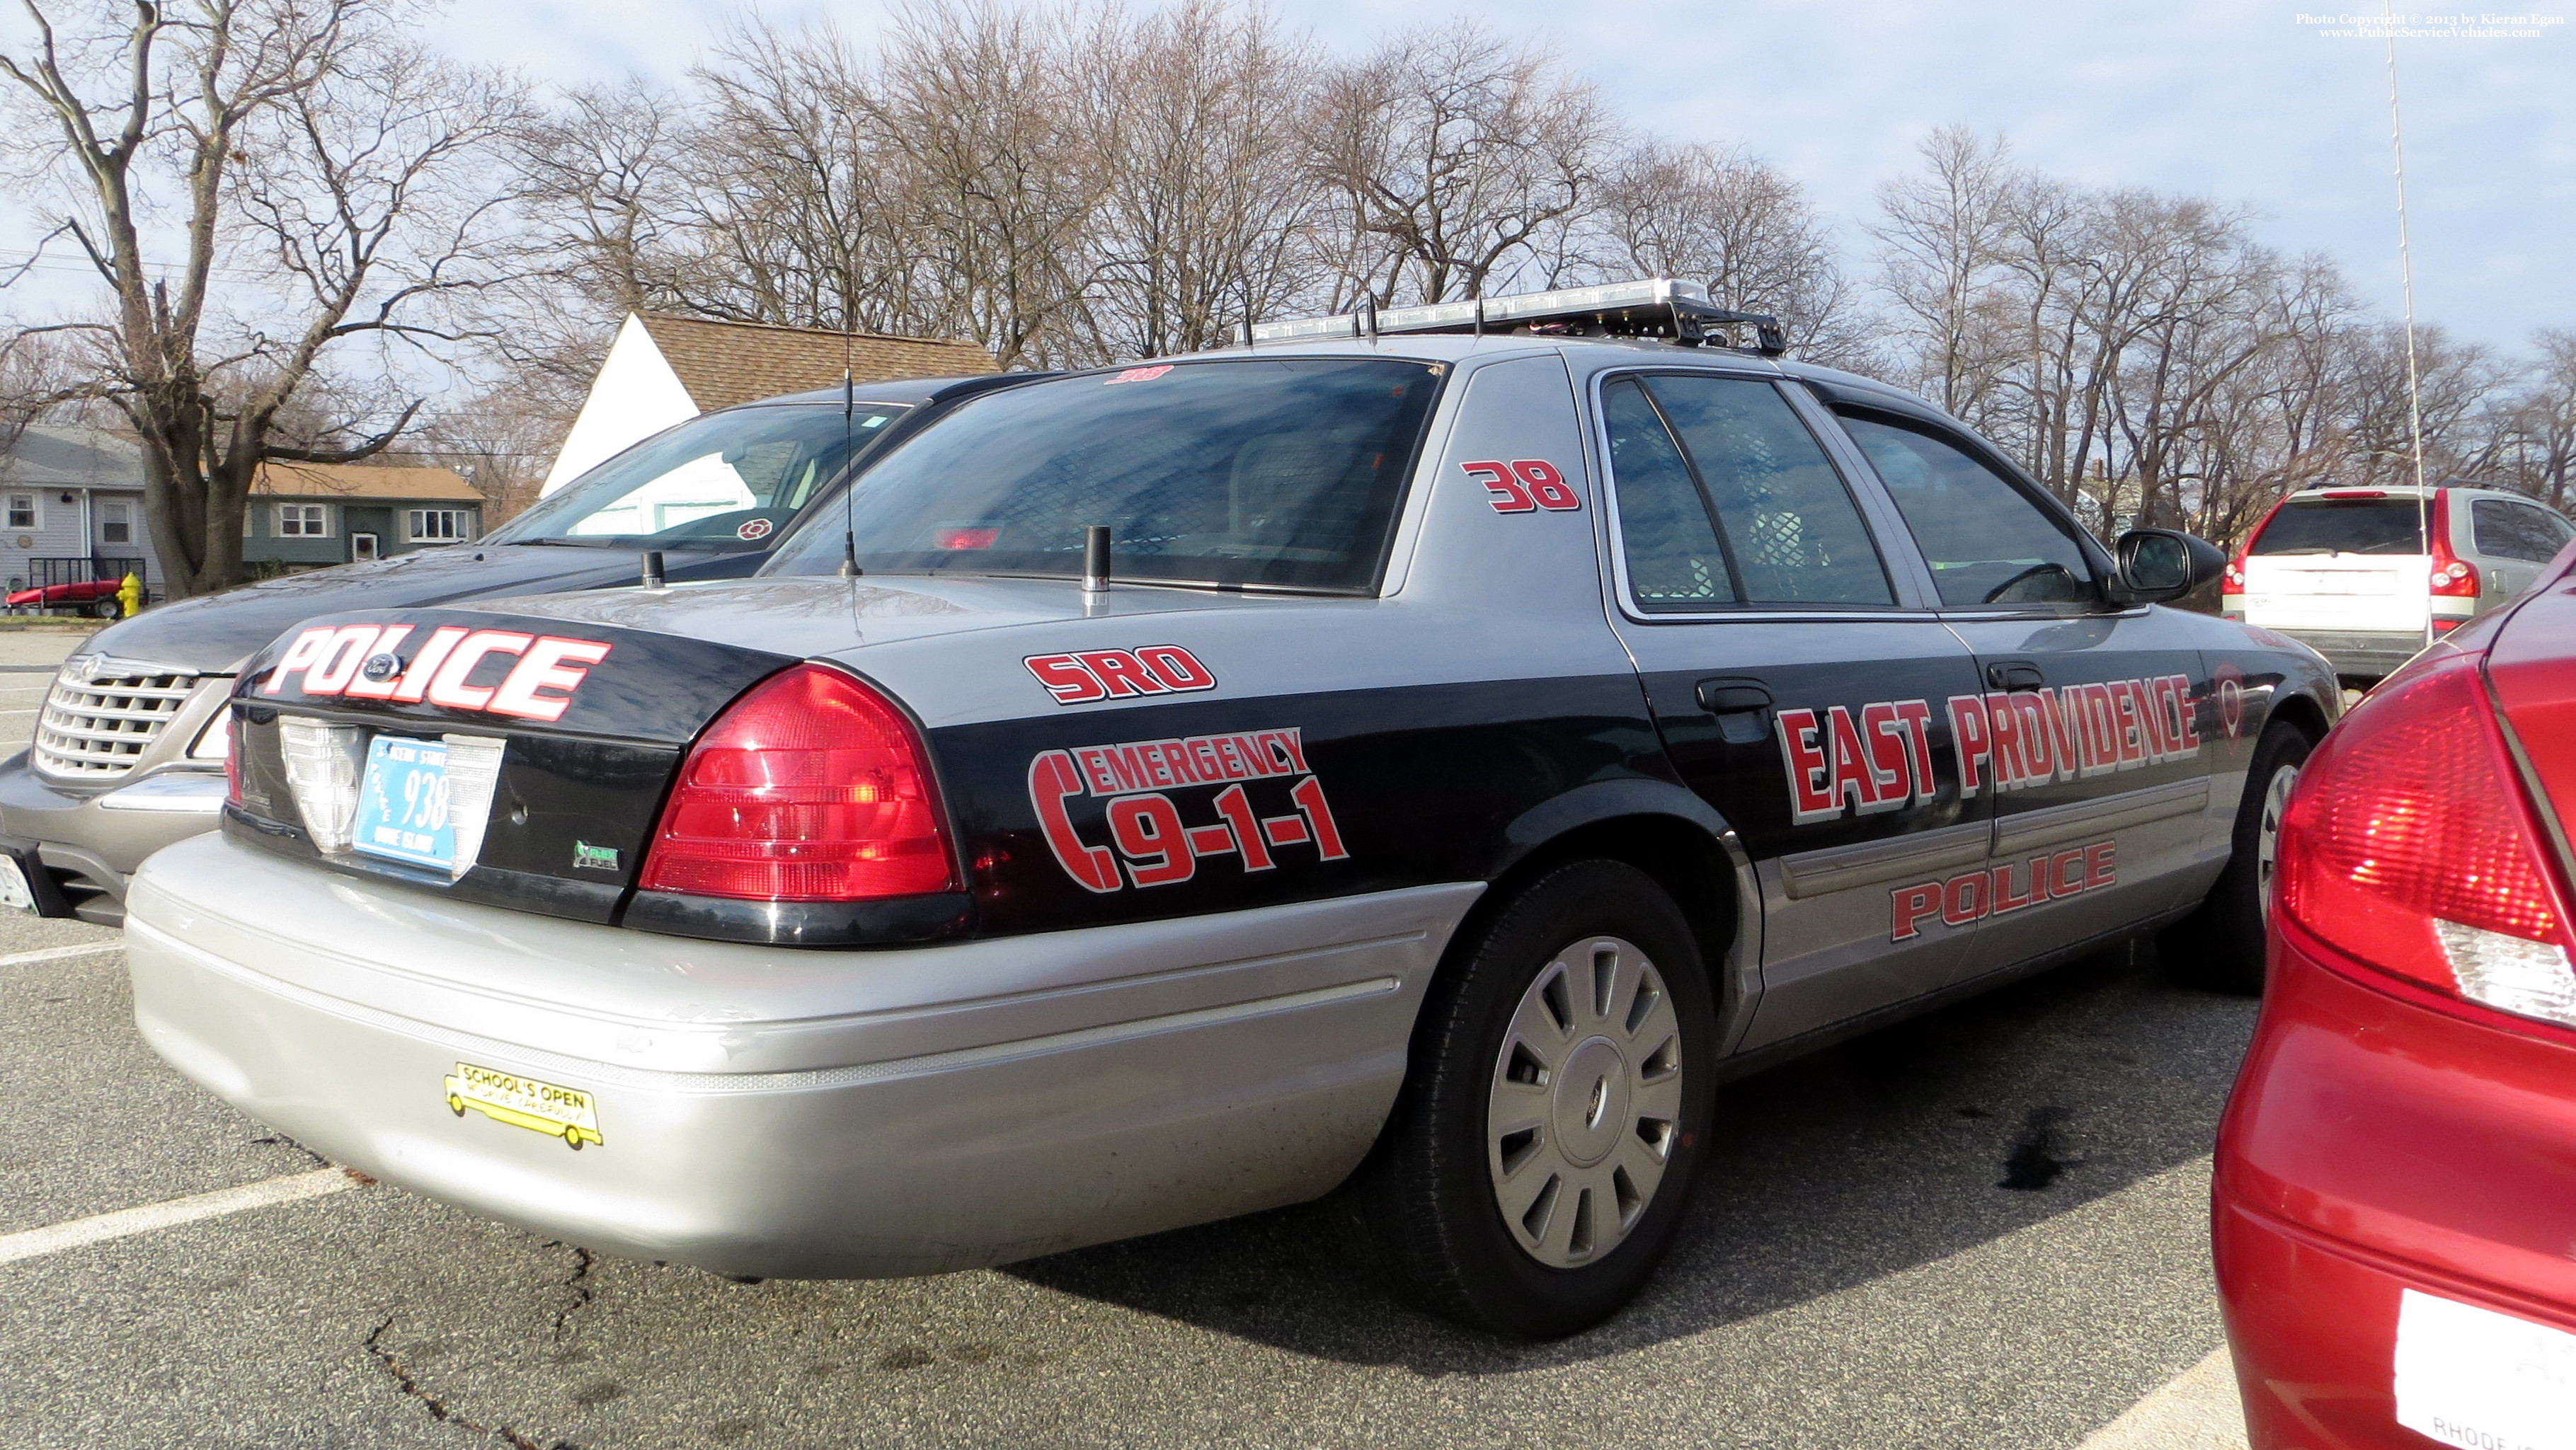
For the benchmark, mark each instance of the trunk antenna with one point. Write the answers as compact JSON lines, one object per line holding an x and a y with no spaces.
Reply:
{"x":849,"y":477}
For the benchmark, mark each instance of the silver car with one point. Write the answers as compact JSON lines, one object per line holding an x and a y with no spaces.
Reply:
{"x":1422,"y":760}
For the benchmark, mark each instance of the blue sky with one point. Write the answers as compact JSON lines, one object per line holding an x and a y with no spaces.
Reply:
{"x":2242,"y":102}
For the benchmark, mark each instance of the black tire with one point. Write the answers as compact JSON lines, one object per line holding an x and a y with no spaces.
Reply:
{"x":2220,"y":946}
{"x":108,"y":609}
{"x":1430,"y":1199}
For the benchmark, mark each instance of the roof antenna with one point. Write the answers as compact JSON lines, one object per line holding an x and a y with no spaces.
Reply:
{"x":1095,"y":558}
{"x":849,"y":477}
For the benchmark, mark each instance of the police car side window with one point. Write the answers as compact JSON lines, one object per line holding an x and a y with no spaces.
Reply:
{"x":1986,"y":543}
{"x":1792,"y":533}
{"x":2509,"y":530}
{"x":1676,"y":562}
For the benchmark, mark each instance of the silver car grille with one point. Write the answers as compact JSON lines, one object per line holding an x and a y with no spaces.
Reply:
{"x":104,"y":714}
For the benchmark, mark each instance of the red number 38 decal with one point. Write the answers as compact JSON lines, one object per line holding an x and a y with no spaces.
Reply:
{"x":1524,"y":485}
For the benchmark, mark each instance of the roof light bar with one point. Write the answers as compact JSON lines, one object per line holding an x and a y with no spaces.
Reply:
{"x":1648,"y":307}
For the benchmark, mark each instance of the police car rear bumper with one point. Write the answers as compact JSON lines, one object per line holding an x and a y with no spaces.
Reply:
{"x":794,"y":1114}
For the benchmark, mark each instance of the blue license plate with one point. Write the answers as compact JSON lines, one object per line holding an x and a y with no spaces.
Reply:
{"x":403,"y":803}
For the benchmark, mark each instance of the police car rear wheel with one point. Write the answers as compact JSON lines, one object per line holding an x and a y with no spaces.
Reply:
{"x":1538,"y":1161}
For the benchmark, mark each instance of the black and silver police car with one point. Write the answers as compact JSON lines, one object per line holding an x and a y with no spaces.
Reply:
{"x":1427,"y":751}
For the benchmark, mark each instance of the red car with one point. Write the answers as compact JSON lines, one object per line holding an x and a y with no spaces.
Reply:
{"x":2395,"y":1203}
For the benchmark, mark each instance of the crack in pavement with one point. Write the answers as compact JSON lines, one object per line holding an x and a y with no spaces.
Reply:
{"x":579,"y":1284}
{"x":438,"y":1408}
{"x":283,"y":1141}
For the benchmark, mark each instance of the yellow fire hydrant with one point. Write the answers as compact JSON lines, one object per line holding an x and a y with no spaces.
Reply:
{"x":129,"y":597}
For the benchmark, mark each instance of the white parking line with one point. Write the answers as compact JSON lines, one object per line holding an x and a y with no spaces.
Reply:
{"x":2195,"y":1410}
{"x":54,"y":953}
{"x":99,"y":1227}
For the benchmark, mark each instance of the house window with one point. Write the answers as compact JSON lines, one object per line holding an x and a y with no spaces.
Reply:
{"x":439,"y":526}
{"x":22,"y":512}
{"x":303,"y":521}
{"x":115,"y":523}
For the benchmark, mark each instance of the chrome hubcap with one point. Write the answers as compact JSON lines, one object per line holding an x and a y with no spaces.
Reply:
{"x":1586,"y":1100}
{"x":2267,"y":836}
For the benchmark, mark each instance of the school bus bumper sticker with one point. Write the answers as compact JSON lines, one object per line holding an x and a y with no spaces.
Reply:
{"x":524,"y":1102}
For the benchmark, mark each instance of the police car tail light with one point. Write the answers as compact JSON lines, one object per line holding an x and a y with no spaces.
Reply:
{"x":2411,"y":845}
{"x":812,"y":787}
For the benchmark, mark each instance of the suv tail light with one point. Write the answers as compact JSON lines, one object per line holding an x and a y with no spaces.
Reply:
{"x":811,"y":787}
{"x":2410,"y":845}
{"x":2234,"y":582}
{"x":2453,"y":576}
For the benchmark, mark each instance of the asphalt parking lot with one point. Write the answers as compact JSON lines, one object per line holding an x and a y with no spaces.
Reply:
{"x":1983,"y":1228}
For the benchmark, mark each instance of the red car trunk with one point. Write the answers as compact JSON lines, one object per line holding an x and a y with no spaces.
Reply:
{"x":2395,"y":1201}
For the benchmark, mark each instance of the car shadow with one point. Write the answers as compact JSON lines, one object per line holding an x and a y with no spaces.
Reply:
{"x":1896,"y":1149}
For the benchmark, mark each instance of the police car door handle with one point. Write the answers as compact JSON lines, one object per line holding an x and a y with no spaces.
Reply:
{"x":1732,"y":697}
{"x":2014,"y":675}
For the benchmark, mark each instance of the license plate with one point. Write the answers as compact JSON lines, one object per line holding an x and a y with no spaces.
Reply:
{"x":403,"y":803}
{"x":14,"y":891}
{"x":2339,"y":583}
{"x":524,"y":1102}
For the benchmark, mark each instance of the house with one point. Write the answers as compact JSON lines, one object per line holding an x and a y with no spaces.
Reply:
{"x":310,"y":515}
{"x":71,"y":508}
{"x":667,"y":370}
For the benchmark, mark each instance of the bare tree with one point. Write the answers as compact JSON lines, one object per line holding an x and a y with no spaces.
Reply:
{"x":1734,"y":222}
{"x":330,"y":174}
{"x":1453,"y":153}
{"x":1939,"y":237}
{"x":2542,"y":419}
{"x":1207,"y":217}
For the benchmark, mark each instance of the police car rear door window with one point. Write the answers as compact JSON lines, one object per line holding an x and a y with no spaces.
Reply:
{"x":1986,"y":543}
{"x":1786,"y":527}
{"x":1676,"y":562}
{"x":1270,"y":473}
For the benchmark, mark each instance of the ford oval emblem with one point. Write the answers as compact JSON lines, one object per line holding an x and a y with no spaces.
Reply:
{"x":381,"y":667}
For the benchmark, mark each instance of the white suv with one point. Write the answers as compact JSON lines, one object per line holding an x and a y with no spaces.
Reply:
{"x":2347,"y":571}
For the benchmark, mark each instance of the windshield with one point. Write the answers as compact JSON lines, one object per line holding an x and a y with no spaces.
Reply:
{"x":1279,"y":473}
{"x":2357,"y":526}
{"x":729,"y":480}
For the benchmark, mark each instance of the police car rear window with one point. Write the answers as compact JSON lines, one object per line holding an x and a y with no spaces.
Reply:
{"x":1279,"y":473}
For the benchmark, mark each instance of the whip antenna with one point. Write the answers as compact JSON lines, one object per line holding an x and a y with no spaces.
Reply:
{"x":849,"y":476}
{"x":2406,"y":281}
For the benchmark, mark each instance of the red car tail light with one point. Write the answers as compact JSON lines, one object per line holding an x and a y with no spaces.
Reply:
{"x":2233,"y":582}
{"x":2410,"y":844}
{"x":812,"y":787}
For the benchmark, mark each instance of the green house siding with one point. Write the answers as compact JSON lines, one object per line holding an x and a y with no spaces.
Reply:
{"x":389,"y":521}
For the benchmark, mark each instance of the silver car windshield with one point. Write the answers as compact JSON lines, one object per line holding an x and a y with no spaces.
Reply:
{"x":1254,"y":473}
{"x":728,"y":481}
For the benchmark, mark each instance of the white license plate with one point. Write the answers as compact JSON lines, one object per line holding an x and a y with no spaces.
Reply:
{"x":2338,"y":583}
{"x":2474,"y":1378}
{"x":14,"y":891}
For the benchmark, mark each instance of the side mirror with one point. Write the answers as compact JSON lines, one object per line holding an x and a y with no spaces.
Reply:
{"x":2160,"y":564}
